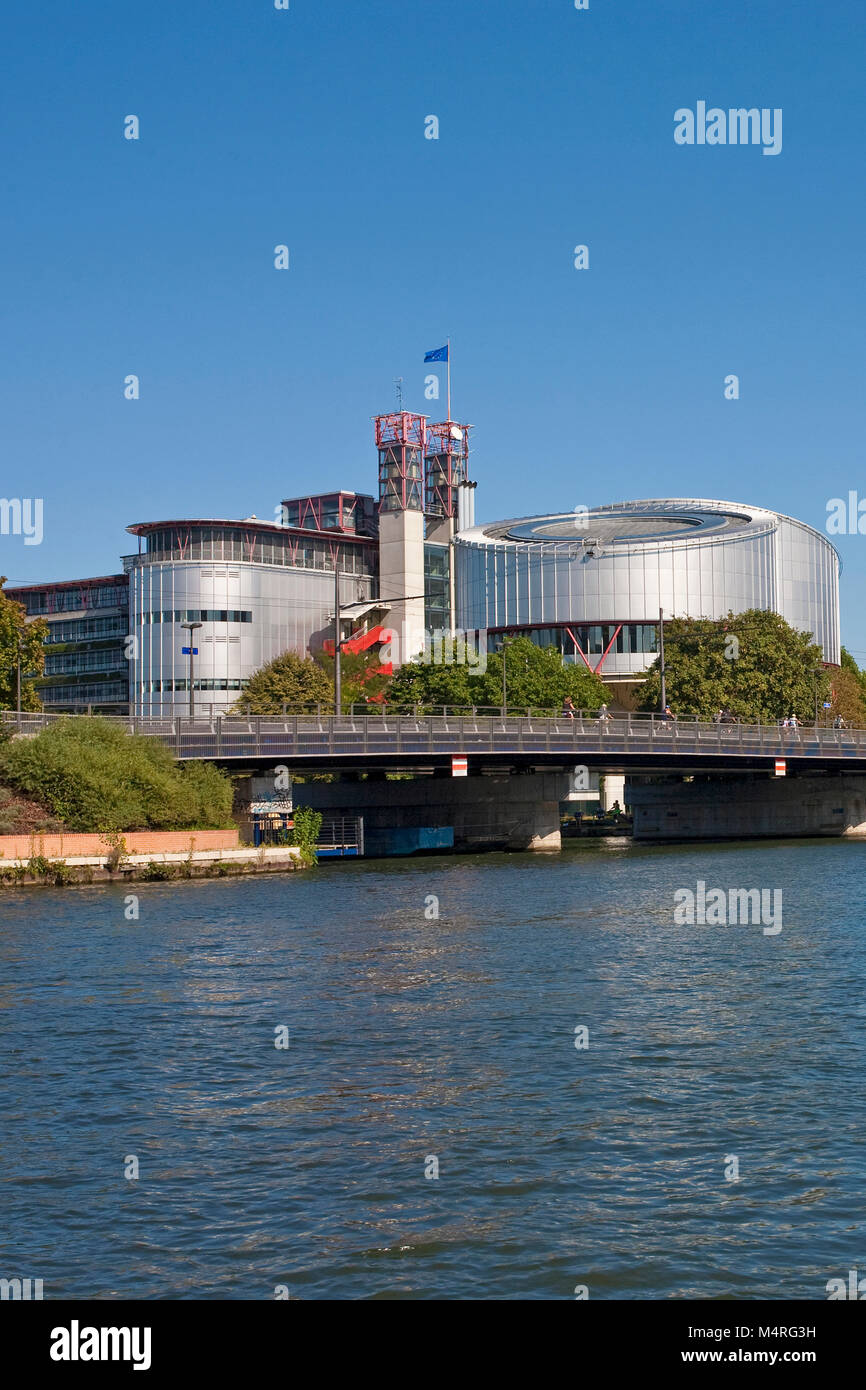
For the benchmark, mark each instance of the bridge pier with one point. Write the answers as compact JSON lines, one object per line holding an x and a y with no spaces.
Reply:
{"x":518,"y":811}
{"x":747,"y":806}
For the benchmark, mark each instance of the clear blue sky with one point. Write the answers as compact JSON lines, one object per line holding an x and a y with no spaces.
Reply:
{"x":306,"y":127}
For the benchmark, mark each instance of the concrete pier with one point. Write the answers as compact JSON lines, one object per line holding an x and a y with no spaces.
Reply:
{"x":519,"y":811}
{"x":746,"y":807}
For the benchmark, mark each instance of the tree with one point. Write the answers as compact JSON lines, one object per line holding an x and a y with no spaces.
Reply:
{"x":849,"y":692}
{"x":15,"y":630}
{"x":361,"y":677}
{"x":753,"y":663}
{"x":291,"y":681}
{"x":535,"y":678}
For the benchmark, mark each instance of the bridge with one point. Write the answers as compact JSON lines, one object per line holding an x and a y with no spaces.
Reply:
{"x":390,"y":741}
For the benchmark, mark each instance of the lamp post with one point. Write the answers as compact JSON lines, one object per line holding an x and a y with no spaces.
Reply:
{"x":190,"y":628}
{"x":663,"y":694}
{"x":338,"y":673}
{"x":18,"y":719}
{"x":816,"y":672}
{"x":504,"y":689}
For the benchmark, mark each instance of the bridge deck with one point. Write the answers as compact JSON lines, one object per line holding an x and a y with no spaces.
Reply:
{"x":636,"y":741}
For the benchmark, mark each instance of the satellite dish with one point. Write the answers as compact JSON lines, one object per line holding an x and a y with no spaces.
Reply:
{"x":456,"y":432}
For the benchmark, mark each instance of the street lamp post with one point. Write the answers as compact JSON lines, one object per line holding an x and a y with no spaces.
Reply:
{"x":338,"y":672}
{"x":817,"y":671}
{"x":18,"y":720}
{"x":504,"y":688}
{"x":190,"y":628}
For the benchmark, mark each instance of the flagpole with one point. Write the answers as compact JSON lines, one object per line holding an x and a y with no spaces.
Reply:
{"x":449,"y":380}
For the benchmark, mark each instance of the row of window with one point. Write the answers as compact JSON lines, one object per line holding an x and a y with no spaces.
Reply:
{"x":198,"y":615}
{"x":163,"y":687}
{"x":45,"y":603}
{"x":70,"y":663}
{"x":236,"y":546}
{"x":109,"y":692}
{"x":329,"y":513}
{"x":594,"y":639}
{"x":83,"y":628}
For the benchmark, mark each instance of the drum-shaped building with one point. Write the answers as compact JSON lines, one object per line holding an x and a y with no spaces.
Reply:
{"x":592,"y":582}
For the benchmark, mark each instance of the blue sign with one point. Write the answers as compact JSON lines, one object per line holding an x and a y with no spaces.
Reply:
{"x":185,"y":651}
{"x":828,"y":704}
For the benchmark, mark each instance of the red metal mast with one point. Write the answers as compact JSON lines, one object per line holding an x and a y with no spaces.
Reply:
{"x":446,"y":462}
{"x":400,"y":440}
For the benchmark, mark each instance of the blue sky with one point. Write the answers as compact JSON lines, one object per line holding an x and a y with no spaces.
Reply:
{"x":306,"y":127}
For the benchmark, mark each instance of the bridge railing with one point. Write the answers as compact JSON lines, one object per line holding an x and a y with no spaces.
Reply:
{"x":317,"y":734}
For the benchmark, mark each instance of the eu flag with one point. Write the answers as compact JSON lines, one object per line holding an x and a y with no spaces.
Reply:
{"x":437,"y":355}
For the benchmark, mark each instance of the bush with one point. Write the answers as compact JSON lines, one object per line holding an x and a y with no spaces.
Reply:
{"x":95,"y":777}
{"x":305,"y":835}
{"x":154,"y":872}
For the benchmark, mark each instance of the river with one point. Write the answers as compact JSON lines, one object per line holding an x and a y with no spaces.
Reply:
{"x":707,"y":1142}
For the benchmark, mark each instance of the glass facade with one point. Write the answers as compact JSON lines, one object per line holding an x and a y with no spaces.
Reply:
{"x":43,"y":602}
{"x":437,"y":602}
{"x":86,"y":629}
{"x":82,"y":646}
{"x":593,"y":639}
{"x":236,"y":545}
{"x":108,"y":697}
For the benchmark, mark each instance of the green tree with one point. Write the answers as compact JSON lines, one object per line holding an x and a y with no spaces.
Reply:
{"x":535,"y":678}
{"x":94,"y":777}
{"x":15,"y":631}
{"x":360,"y":676}
{"x":752,"y":663}
{"x":296,"y":682}
{"x":849,"y":691}
{"x":848,"y":663}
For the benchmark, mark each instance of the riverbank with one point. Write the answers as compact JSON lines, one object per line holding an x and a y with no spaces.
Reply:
{"x":40,"y":870}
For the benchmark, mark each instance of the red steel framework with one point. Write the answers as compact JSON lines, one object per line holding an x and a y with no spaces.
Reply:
{"x":349,"y":508}
{"x":400,"y":441}
{"x":446,"y":462}
{"x":86,"y":587}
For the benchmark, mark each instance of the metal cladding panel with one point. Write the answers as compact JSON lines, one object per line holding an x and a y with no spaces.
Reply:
{"x":808,"y":582}
{"x":290,"y":610}
{"x":733,"y":558}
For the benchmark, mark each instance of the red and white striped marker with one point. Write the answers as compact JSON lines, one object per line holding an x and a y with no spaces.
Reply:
{"x":781,"y":767}
{"x":459,"y":767}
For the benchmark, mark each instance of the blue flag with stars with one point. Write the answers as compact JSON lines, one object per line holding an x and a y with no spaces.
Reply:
{"x":437,"y":355}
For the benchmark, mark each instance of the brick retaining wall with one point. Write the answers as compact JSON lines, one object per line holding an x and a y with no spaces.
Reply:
{"x":137,"y":842}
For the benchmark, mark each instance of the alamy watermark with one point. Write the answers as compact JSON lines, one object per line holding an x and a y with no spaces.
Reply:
{"x":854,"y":1289}
{"x":846,"y":516}
{"x":462,"y":647}
{"x":22,"y":516}
{"x":736,"y":126}
{"x":738,"y":907}
{"x":23,"y":1289}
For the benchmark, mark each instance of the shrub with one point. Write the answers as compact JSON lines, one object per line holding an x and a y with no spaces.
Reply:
{"x":305,"y":835}
{"x":52,"y":870}
{"x":95,"y":777}
{"x":118,"y":851}
{"x":157,"y":873}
